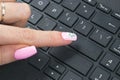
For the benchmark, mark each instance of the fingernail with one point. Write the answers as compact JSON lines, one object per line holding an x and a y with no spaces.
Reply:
{"x":25,"y":52}
{"x":69,"y":36}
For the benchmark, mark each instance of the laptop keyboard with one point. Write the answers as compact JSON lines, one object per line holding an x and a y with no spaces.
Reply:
{"x":96,"y":53}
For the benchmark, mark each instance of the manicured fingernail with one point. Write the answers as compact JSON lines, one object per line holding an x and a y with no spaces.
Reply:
{"x":25,"y":52}
{"x":69,"y":36}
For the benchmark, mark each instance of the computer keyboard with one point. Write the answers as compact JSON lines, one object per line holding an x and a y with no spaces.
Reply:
{"x":96,"y":53}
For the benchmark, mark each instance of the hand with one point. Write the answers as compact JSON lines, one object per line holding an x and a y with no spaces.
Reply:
{"x":18,"y":43}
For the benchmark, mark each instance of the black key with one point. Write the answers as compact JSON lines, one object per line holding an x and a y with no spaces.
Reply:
{"x":54,"y":10}
{"x":85,"y":10}
{"x":58,"y":67}
{"x":27,"y":1}
{"x":39,"y":61}
{"x":58,"y":1}
{"x":35,"y":16}
{"x":116,"y":47}
{"x":101,"y":36}
{"x":71,"y":4}
{"x":87,"y":47}
{"x":91,"y":2}
{"x":46,"y":24}
{"x":71,"y":58}
{"x":106,"y":22}
{"x":118,"y":72}
{"x":100,"y":74}
{"x":29,"y":25}
{"x":44,"y":77}
{"x":44,"y":48}
{"x":115,"y":78}
{"x":68,"y":18}
{"x":71,"y":76}
{"x":110,"y":61}
{"x":103,"y":8}
{"x":116,"y":15}
{"x":51,"y":73}
{"x":40,"y":4}
{"x":83,"y":27}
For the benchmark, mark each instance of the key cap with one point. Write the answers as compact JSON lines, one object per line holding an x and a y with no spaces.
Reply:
{"x":91,"y":2}
{"x":71,"y":4}
{"x":68,"y":18}
{"x":70,"y":57}
{"x":35,"y":16}
{"x":116,"y":15}
{"x":99,"y":74}
{"x":110,"y":61}
{"x":29,"y":25}
{"x":103,"y":8}
{"x":115,"y":78}
{"x":51,"y":73}
{"x":106,"y":22}
{"x":85,"y":11}
{"x":40,"y":4}
{"x":116,"y":47}
{"x":58,"y":1}
{"x":27,"y":1}
{"x":46,"y":24}
{"x":71,"y":76}
{"x":45,"y":48}
{"x":54,"y":10}
{"x":101,"y":36}
{"x":118,"y":72}
{"x":87,"y":47}
{"x":58,"y":67}
{"x":39,"y":61}
{"x":83,"y":27}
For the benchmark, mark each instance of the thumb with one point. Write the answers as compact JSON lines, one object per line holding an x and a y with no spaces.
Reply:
{"x":12,"y":53}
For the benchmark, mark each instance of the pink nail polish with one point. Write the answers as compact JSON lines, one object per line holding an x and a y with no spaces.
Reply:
{"x":25,"y":52}
{"x":69,"y":36}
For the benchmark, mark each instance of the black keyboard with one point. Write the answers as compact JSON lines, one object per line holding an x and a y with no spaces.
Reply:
{"x":96,"y":53}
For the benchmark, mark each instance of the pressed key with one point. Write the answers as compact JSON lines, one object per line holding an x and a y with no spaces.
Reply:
{"x":85,"y":10}
{"x":103,"y":8}
{"x":87,"y":47}
{"x":101,"y":36}
{"x":83,"y":27}
{"x":46,"y":24}
{"x":71,"y":76}
{"x":107,"y":22}
{"x":39,"y":60}
{"x":71,"y":58}
{"x":68,"y":18}
{"x":116,"y":47}
{"x":100,"y":74}
{"x":40,"y":4}
{"x":110,"y":61}
{"x":91,"y":2}
{"x":71,"y":4}
{"x":54,"y":10}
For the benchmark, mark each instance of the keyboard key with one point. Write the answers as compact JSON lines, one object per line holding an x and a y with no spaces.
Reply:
{"x":58,"y":1}
{"x":27,"y":1}
{"x":45,"y":48}
{"x":100,"y":74}
{"x":118,"y":72}
{"x":29,"y":25}
{"x":35,"y":16}
{"x":91,"y":2}
{"x":54,"y":10}
{"x":101,"y":36}
{"x":51,"y":73}
{"x":71,"y":76}
{"x":71,"y":58}
{"x":107,"y":22}
{"x":46,"y":24}
{"x":44,"y":77}
{"x":116,"y":15}
{"x":116,"y":47}
{"x":68,"y":18}
{"x":87,"y":47}
{"x":115,"y":78}
{"x":83,"y":27}
{"x":110,"y":61}
{"x":40,"y":4}
{"x":39,"y":61}
{"x":71,"y":4}
{"x":85,"y":11}
{"x":58,"y":67}
{"x":103,"y":8}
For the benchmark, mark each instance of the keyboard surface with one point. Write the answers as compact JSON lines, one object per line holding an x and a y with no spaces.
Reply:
{"x":96,"y":53}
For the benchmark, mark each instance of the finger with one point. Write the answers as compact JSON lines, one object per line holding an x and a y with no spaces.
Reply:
{"x":8,"y":0}
{"x":15,"y":35}
{"x":12,"y":53}
{"x":16,"y":13}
